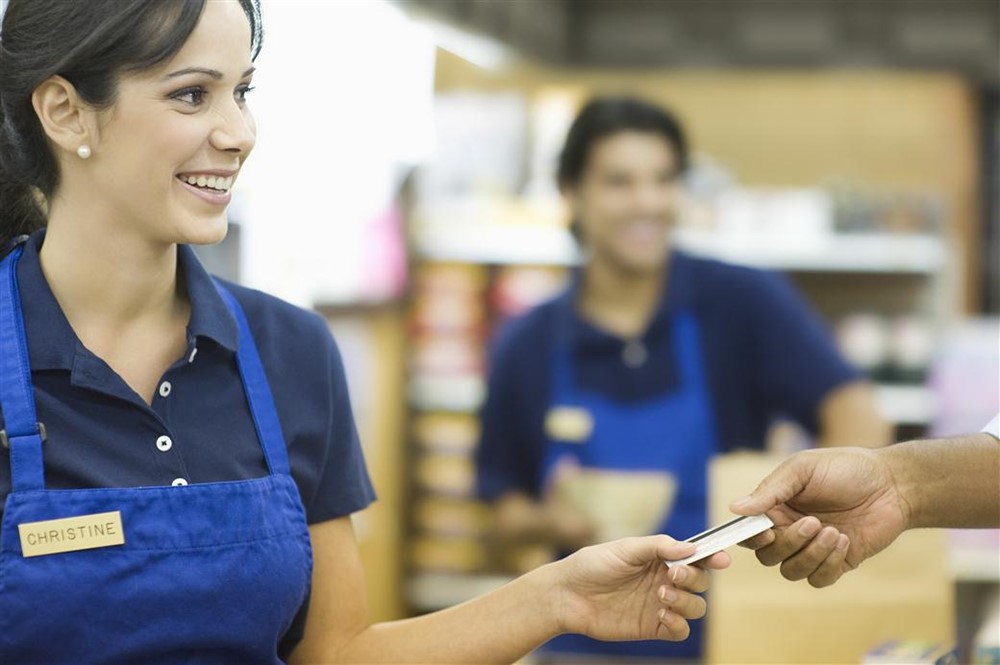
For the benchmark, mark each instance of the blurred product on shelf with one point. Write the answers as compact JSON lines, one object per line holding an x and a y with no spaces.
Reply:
{"x":863,"y":338}
{"x":896,"y":350}
{"x":451,"y":517}
{"x":975,"y":554}
{"x":965,"y":377}
{"x":480,"y":145}
{"x":518,"y":289}
{"x":911,"y":653}
{"x":446,"y":432}
{"x":448,"y":298}
{"x":447,"y":355}
{"x":858,"y":208}
{"x":911,"y":346}
{"x":796,"y":216}
{"x":439,"y":554}
{"x":463,"y":394}
{"x":449,"y":475}
{"x":448,"y":325}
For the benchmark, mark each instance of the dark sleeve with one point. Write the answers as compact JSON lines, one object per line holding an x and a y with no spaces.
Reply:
{"x":342,"y":483}
{"x":306,"y":374}
{"x":795,"y":361}
{"x":509,"y":453}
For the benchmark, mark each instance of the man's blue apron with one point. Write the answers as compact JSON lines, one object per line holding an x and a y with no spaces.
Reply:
{"x":674,"y":433}
{"x":212,"y":572}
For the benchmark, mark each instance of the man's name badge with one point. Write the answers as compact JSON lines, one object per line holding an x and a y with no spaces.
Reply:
{"x":70,"y":534}
{"x":569,"y":423}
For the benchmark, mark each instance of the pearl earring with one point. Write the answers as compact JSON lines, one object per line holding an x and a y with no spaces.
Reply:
{"x":83,"y":152}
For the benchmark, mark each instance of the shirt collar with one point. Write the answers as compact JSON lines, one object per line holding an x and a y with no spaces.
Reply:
{"x":52,"y":343}
{"x":210,"y":317}
{"x":679,"y":294}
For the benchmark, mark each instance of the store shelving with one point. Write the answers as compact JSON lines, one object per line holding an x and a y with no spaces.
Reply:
{"x":551,"y":244}
{"x":905,"y":404}
{"x":921,"y":254}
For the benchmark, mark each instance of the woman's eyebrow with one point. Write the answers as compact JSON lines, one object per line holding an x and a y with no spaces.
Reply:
{"x":214,"y":73}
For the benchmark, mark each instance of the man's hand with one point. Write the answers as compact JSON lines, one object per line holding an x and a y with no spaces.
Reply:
{"x":851,"y":491}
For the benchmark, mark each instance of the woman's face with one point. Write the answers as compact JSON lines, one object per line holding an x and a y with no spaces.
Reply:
{"x":625,"y":200}
{"x":169,"y":149}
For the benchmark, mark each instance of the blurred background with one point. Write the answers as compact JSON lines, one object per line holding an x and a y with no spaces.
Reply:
{"x":403,"y":185}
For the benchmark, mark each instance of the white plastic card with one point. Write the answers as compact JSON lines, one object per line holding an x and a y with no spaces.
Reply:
{"x":723,"y":536}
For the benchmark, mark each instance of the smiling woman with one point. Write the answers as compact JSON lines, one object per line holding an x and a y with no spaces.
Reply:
{"x":89,"y":48}
{"x":200,"y":463}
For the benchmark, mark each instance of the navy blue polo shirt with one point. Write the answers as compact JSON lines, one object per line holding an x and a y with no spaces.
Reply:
{"x":199,"y":428}
{"x":766,"y":355}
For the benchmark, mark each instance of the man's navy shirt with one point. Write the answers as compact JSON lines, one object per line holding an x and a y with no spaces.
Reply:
{"x":102,"y":434}
{"x":766,"y":354}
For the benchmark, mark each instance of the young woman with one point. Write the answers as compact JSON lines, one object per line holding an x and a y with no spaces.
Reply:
{"x":179,"y":460}
{"x":653,"y":360}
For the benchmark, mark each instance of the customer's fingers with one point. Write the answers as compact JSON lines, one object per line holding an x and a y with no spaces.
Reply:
{"x":832,"y":568}
{"x":789,"y":540}
{"x":810,"y":558}
{"x":762,"y":539}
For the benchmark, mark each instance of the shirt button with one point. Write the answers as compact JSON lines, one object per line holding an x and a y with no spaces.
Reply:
{"x":177,"y":482}
{"x":165,"y":388}
{"x":634,"y":354}
{"x":164,"y":443}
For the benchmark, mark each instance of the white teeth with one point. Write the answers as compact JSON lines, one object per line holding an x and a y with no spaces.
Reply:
{"x":211,"y":182}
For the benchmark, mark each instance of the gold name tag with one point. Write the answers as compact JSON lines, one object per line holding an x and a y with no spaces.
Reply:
{"x":568,"y":423}
{"x":70,"y":534}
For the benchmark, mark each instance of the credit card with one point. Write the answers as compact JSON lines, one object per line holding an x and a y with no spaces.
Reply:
{"x":723,"y":536}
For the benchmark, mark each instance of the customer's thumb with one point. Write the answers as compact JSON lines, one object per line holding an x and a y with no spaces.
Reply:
{"x":781,"y":485}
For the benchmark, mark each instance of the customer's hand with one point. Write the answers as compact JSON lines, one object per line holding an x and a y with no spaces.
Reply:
{"x":832,"y":509}
{"x":623,"y":591}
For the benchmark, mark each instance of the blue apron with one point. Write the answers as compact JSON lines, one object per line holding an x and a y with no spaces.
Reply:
{"x":208,"y":573}
{"x":674,"y":433}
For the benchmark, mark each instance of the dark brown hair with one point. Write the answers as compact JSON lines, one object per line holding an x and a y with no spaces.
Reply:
{"x":90,"y":43}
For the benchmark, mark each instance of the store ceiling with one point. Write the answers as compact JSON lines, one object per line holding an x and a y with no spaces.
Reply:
{"x":958,"y":35}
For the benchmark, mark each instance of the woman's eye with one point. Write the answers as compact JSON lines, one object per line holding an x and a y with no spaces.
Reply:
{"x":243,"y":91}
{"x":192,"y":96}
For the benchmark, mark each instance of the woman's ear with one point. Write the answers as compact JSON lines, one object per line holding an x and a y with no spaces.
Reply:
{"x":67,"y":120}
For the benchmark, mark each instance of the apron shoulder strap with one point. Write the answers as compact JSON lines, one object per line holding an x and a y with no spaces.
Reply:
{"x":258,"y":392}
{"x":22,"y":434}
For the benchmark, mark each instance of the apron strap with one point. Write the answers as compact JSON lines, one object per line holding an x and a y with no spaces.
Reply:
{"x":562,"y":348}
{"x":688,"y":349}
{"x":258,"y":392}
{"x":22,"y":433}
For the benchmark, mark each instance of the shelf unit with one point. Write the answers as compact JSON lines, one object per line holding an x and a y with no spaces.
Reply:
{"x":552,"y":244}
